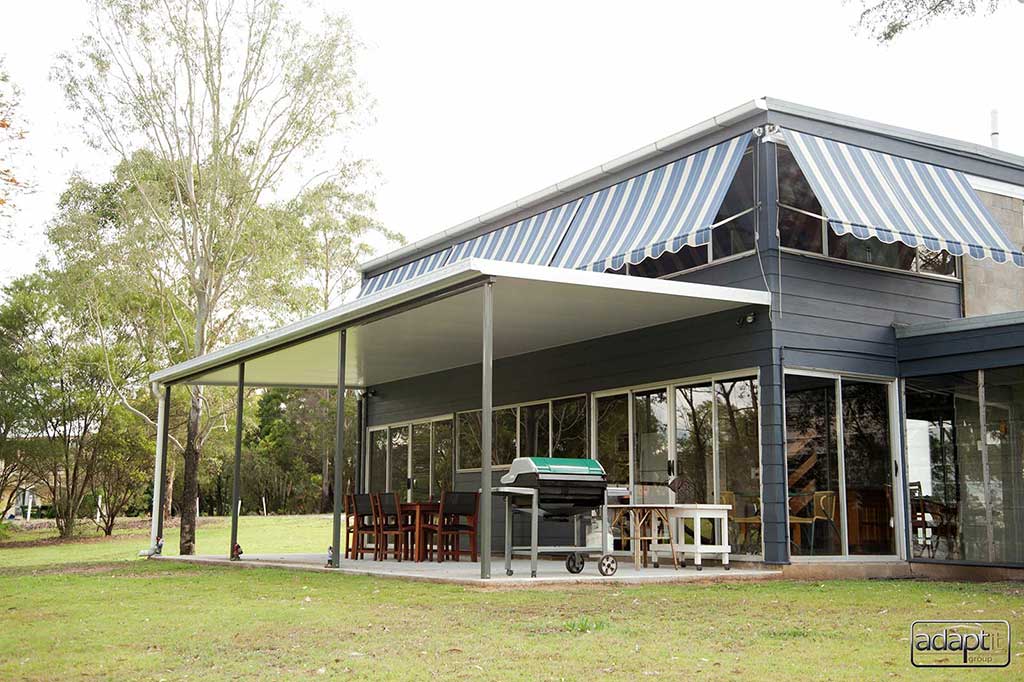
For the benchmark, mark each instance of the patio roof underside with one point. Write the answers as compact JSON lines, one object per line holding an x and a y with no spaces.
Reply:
{"x":437,"y":324}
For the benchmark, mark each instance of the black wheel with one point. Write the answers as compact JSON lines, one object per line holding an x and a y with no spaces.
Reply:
{"x":508,"y":571}
{"x":574,"y":563}
{"x":700,"y":568}
{"x":607,"y":565}
{"x":726,"y":567}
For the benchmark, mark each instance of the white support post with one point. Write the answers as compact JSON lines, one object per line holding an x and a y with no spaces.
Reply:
{"x":158,"y":468}
{"x":486,"y":428}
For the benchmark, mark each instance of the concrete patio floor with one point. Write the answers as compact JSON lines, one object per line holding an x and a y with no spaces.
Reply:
{"x":549,"y":572}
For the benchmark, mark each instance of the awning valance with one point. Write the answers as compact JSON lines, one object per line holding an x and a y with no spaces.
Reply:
{"x":532,"y":240}
{"x":871,"y":194}
{"x":420,"y":266}
{"x":660,"y":211}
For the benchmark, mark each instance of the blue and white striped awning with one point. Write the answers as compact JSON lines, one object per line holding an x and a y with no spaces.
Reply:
{"x":420,"y":266}
{"x":532,"y":240}
{"x":662,"y":210}
{"x":870,"y":194}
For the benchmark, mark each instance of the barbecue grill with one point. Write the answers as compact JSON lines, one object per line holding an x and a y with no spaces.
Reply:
{"x":556,"y":489}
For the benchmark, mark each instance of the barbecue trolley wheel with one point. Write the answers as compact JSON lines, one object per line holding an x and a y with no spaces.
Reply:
{"x":574,"y":562}
{"x":607,"y":565}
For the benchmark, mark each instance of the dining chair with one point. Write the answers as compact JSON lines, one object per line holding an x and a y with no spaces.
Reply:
{"x":391,"y":522}
{"x":363,"y":526}
{"x":458,"y":516}
{"x":746,"y":516}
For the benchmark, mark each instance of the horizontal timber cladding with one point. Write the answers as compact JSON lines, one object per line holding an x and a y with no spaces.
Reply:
{"x":961,"y":351}
{"x":841,"y":317}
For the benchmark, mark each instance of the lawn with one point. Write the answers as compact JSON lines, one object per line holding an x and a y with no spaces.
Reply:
{"x":88,"y":610}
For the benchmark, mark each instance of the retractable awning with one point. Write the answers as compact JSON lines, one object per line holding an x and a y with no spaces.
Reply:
{"x":871,"y":194}
{"x":420,"y":266}
{"x":531,"y":240}
{"x":660,"y":211}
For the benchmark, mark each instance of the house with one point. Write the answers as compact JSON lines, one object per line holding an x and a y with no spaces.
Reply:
{"x":813,"y":318}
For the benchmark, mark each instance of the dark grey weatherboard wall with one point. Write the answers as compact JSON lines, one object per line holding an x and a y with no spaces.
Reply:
{"x":841,"y":317}
{"x":693,"y":347}
{"x":987,"y":346}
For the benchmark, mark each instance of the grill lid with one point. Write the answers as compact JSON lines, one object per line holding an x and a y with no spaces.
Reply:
{"x":561,"y":466}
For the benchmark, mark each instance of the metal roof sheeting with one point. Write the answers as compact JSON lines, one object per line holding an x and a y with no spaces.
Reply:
{"x":872,"y":194}
{"x":660,"y":211}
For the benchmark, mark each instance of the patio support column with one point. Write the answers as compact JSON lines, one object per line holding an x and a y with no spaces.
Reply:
{"x":486,"y":428}
{"x":339,"y":449}
{"x":236,"y":478}
{"x":160,"y":467}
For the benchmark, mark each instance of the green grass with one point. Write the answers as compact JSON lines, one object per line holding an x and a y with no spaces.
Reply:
{"x":101,"y":615}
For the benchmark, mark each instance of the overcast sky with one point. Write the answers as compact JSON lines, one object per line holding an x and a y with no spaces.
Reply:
{"x":477,"y":105}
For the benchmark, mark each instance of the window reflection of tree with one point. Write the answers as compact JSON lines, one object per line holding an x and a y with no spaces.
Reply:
{"x":569,"y":432}
{"x":694,"y":454}
{"x":613,"y":437}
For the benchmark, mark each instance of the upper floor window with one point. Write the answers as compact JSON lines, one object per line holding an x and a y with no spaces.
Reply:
{"x":803,"y":227}
{"x":732,"y":232}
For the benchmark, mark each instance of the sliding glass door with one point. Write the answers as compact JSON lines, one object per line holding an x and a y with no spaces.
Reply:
{"x":651,"y":464}
{"x":840,"y":466}
{"x":687,"y":443}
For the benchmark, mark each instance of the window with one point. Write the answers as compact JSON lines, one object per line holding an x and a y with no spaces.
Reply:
{"x":733,"y":231}
{"x":378,"y":469}
{"x":420,"y":457}
{"x":812,"y":465}
{"x":739,"y":460}
{"x":398,"y":460}
{"x":965,"y":465}
{"x":613,"y":438}
{"x":551,"y":427}
{"x":569,"y":427}
{"x":650,"y":446}
{"x":839,"y":467}
{"x":803,"y":227}
{"x":534,"y":430}
{"x":413,"y":460}
{"x":694,"y":447}
{"x":442,"y":459}
{"x":504,"y":436}
{"x":714,"y":456}
{"x":469,"y":439}
{"x":668,"y":263}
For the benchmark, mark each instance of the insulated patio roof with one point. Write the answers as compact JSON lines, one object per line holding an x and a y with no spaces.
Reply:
{"x":434,"y":322}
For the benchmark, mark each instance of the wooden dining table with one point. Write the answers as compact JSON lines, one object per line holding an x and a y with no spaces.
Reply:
{"x":421,"y":513}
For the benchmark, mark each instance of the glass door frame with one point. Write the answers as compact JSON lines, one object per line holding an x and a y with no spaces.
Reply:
{"x":370,"y":430}
{"x":670,"y":387}
{"x":896,"y":463}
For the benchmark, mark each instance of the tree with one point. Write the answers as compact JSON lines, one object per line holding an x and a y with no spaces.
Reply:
{"x":124,"y":461}
{"x":12,"y":134}
{"x":13,"y":415}
{"x":225,"y":98}
{"x":338,"y":225}
{"x":887,"y":19}
{"x":65,"y":391}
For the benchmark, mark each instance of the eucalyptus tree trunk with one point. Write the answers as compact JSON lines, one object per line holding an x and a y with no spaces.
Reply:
{"x":190,"y":481}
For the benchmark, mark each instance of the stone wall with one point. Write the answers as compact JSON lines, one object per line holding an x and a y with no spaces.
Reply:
{"x":991,"y":287}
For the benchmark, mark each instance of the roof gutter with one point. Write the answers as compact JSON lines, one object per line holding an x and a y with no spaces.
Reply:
{"x":565,"y":187}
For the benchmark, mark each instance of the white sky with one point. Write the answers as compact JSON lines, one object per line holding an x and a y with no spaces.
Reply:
{"x":478,"y":105}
